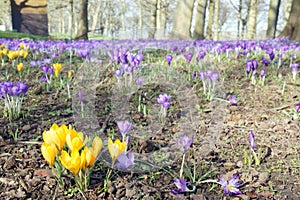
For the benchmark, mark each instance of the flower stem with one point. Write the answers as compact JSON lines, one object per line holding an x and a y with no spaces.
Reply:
{"x":182,"y":163}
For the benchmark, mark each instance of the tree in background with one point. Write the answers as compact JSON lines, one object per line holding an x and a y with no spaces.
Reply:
{"x":5,"y":15}
{"x":251,"y":30}
{"x":82,"y":31}
{"x":200,"y":20}
{"x":273,"y":18}
{"x":292,"y":28}
{"x":216,"y":20}
{"x":209,"y":28}
{"x":183,"y":19}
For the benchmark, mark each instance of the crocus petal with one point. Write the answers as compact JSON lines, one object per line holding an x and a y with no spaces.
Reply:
{"x":252,"y":140}
{"x":97,"y":145}
{"x":115,"y":148}
{"x":49,"y":152}
{"x":222,"y":181}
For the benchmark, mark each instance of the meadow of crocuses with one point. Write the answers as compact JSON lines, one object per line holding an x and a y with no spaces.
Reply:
{"x":149,"y":119}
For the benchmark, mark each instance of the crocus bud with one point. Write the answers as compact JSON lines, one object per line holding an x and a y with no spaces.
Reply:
{"x":252,"y":140}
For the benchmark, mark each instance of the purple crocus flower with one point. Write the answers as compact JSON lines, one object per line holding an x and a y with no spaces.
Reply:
{"x":140,"y":57}
{"x":262,"y":73}
{"x":200,"y":56}
{"x":118,"y":73}
{"x":194,"y":75}
{"x":23,"y":87}
{"x":129,"y":69}
{"x":201,"y":75}
{"x":231,"y":187}
{"x":169,"y":59}
{"x":14,"y":91}
{"x":83,"y":53}
{"x":124,"y":66}
{"x":254,"y":64}
{"x":44,"y":79}
{"x":80,"y":96}
{"x":297,"y":107}
{"x":139,"y":81}
{"x":265,"y":62}
{"x":271,"y":54}
{"x":214,"y":76}
{"x":294,"y":65}
{"x":252,"y":140}
{"x":125,"y":161}
{"x":253,"y":73}
{"x":162,"y":98}
{"x":44,"y":68}
{"x":294,"y":70}
{"x":182,"y":186}
{"x":166,"y":105}
{"x":124,"y":127}
{"x":248,"y":66}
{"x":50,"y":70}
{"x":233,"y":100}
{"x":185,"y":142}
{"x":33,"y":63}
{"x":47,"y":60}
{"x":188,"y":57}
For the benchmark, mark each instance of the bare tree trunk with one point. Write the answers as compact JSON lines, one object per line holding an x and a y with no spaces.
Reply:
{"x":251,"y":32}
{"x":239,"y":19}
{"x":210,"y":19}
{"x":140,"y":16}
{"x":273,"y":18}
{"x":96,"y":16}
{"x":216,"y":20}
{"x":292,"y":28}
{"x":6,"y":14}
{"x":287,"y":12}
{"x":200,"y":20}
{"x":163,"y":17}
{"x":123,"y":15}
{"x":183,"y":19}
{"x":71,"y":19}
{"x":106,"y":24}
{"x":153,"y":17}
{"x":158,"y":20}
{"x":60,"y":23}
{"x":82,"y":32}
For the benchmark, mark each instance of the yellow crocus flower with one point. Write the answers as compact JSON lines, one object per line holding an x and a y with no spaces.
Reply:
{"x":83,"y":159}
{"x":10,"y":55}
{"x":21,"y":45}
{"x":56,"y":135}
{"x":2,"y":46}
{"x":72,"y":163}
{"x":5,"y":51}
{"x":49,"y":152}
{"x":57,"y":67}
{"x":25,"y":54}
{"x":91,"y":153}
{"x":115,"y":148}
{"x":97,"y":145}
{"x":75,"y":140}
{"x":69,"y":74}
{"x":20,"y":66}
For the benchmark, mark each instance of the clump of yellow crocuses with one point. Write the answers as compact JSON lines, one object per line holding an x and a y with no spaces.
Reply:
{"x":64,"y":147}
